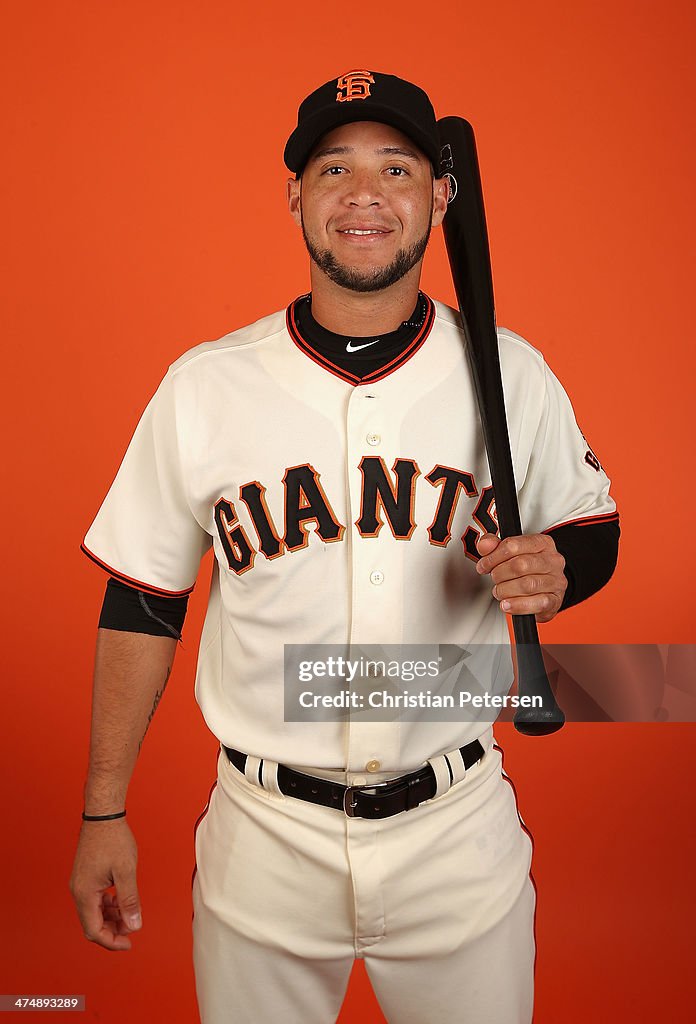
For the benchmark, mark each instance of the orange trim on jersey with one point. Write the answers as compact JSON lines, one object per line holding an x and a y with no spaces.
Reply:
{"x":531,"y":839}
{"x":350,"y":378}
{"x":608,"y":517}
{"x":146,"y":587}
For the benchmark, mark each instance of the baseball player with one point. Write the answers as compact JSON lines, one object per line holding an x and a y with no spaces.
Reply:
{"x":331,"y":454}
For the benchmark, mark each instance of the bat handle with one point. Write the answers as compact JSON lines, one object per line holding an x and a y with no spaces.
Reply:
{"x":532,"y":681}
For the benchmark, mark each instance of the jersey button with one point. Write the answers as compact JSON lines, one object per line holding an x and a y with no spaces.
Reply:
{"x":373,"y":439}
{"x":373,"y":766}
{"x":377,"y":577}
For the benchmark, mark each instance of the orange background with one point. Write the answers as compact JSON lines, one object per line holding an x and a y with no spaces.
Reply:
{"x":145,"y":213}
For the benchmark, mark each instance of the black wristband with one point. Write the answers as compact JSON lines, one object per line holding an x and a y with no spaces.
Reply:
{"x":102,"y":817}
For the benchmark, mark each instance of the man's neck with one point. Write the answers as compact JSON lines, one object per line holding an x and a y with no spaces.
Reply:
{"x":363,"y":314}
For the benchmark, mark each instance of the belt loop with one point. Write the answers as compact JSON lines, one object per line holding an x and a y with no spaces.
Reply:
{"x":269,"y":776}
{"x":456,"y":762}
{"x":251,"y":769}
{"x":442,"y":774}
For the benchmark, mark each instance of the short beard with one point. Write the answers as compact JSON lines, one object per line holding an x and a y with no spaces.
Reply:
{"x":372,"y":280}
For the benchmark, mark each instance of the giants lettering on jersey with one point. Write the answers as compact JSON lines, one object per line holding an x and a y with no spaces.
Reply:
{"x":387,"y":498}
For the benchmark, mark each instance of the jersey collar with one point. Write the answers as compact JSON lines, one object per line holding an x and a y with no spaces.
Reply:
{"x":323,"y":360}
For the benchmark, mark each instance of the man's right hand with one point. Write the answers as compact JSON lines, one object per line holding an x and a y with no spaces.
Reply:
{"x":106,"y":857}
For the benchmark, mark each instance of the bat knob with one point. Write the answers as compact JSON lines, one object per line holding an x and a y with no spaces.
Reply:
{"x":539,"y":722}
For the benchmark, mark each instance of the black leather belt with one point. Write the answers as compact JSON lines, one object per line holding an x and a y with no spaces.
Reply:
{"x":378,"y":801}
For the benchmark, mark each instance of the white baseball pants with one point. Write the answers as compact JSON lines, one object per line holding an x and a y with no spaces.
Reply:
{"x":437,"y":900}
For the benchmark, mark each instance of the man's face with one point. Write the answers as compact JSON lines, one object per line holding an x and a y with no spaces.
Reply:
{"x":366,"y":203}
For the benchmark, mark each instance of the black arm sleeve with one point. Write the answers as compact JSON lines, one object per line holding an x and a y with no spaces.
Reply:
{"x":128,"y":609}
{"x":590,"y":552}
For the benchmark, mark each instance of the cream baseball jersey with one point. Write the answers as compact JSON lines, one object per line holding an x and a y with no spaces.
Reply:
{"x":339,"y":512}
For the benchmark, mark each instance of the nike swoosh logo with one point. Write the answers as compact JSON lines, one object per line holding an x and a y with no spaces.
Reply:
{"x":350,"y":347}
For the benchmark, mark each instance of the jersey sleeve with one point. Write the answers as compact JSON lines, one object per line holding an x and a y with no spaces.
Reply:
{"x":564,"y":481}
{"x":146,"y":533}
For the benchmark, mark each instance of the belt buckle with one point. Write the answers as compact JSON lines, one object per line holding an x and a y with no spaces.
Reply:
{"x":349,"y":803}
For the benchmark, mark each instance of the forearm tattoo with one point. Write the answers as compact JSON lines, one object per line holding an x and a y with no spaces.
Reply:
{"x":158,"y":697}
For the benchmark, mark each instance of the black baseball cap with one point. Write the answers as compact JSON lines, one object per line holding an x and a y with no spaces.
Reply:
{"x":363,"y":96}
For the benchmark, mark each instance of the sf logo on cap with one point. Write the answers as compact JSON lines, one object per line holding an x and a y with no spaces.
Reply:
{"x":354,"y":85}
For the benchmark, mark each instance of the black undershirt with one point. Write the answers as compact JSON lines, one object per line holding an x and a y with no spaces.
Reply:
{"x":373,"y":352}
{"x":590,"y":551}
{"x":128,"y":609}
{"x":590,"y":554}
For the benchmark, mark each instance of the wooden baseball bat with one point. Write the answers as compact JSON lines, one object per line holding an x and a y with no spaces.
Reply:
{"x":466,"y":238}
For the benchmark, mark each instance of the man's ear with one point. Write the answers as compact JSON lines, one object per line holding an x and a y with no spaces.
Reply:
{"x":440,"y":197}
{"x":294,"y":199}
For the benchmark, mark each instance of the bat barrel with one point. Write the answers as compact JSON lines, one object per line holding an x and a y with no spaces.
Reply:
{"x":466,"y":237}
